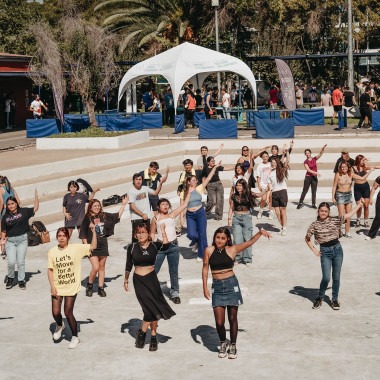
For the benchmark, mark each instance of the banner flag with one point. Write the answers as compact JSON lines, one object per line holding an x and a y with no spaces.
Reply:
{"x":287,"y":84}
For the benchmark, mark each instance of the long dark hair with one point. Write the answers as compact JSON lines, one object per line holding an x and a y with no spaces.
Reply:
{"x":4,"y":181}
{"x":281,"y":171}
{"x":358,"y":158}
{"x":13,"y":199}
{"x":187,"y":185}
{"x":223,"y":230}
{"x":90,"y":204}
{"x":246,"y":195}
{"x":242,"y":169}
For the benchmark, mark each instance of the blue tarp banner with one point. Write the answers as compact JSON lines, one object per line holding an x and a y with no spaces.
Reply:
{"x":152,"y":120}
{"x":124,"y":124}
{"x":75,"y":123}
{"x":199,"y":116}
{"x":218,"y":129}
{"x":179,"y":123}
{"x":274,"y":128}
{"x":42,"y":127}
{"x":313,"y":116}
{"x":340,"y":120}
{"x":376,"y":120}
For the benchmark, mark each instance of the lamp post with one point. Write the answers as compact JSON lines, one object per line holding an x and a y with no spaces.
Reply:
{"x":350,"y":48}
{"x":215,"y":4}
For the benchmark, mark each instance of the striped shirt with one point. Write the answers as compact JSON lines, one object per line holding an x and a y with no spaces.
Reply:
{"x":326,"y":230}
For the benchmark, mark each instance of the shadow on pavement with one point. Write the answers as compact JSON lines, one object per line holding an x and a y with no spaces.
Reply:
{"x":106,"y":279}
{"x":66,"y":334}
{"x":310,"y":293}
{"x":133,"y":324}
{"x":28,"y":276}
{"x":187,"y":253}
{"x":267,"y":227}
{"x":6,"y":318}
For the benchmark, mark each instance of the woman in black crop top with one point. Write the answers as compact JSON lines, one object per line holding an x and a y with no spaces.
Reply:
{"x":225,"y":286}
{"x":142,"y":255}
{"x":241,"y":202}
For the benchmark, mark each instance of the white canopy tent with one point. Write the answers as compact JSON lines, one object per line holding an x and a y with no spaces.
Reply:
{"x":186,"y":62}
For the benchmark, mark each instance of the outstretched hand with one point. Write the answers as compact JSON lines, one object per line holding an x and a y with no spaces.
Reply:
{"x":265,"y":233}
{"x":125,"y":199}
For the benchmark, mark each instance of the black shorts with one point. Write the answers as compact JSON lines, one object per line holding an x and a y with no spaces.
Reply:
{"x":73,"y":227}
{"x":153,"y":199}
{"x":337,"y":108}
{"x":280,"y":198}
{"x":361,"y":191}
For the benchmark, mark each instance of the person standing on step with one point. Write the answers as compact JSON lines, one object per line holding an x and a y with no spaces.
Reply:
{"x":226,"y":104}
{"x":202,"y":160}
{"x":172,"y":253}
{"x":277,"y":184}
{"x":337,"y":98}
{"x":365,"y":106}
{"x":6,"y":191}
{"x":263,"y":170}
{"x":376,"y":222}
{"x":74,"y":205}
{"x":311,"y":177}
{"x":240,"y":173}
{"x":139,"y":206}
{"x":142,"y":254}
{"x":151,"y":179}
{"x":190,"y":108}
{"x":225,"y":286}
{"x":207,"y":101}
{"x":104,"y":223}
{"x":196,"y":218}
{"x":344,"y":157}
{"x":327,"y":231}
{"x":15,"y":228}
{"x":64,"y":274}
{"x":281,"y":157}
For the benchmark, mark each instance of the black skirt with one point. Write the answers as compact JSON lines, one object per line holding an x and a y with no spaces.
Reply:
{"x":102,"y":247}
{"x":152,"y":301}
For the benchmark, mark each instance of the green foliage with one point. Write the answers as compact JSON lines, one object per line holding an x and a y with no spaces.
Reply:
{"x":91,"y":132}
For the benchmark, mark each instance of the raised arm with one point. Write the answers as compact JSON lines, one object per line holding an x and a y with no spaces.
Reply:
{"x":17,"y":197}
{"x":36,"y":201}
{"x":321,"y":152}
{"x":92,"y":195}
{"x":287,"y":158}
{"x":257,"y":154}
{"x":235,"y":249}
{"x":159,"y":187}
{"x":221,"y":146}
{"x":355,"y":176}
{"x":123,"y":204}
{"x":208,"y":178}
{"x":165,"y":177}
{"x":183,"y":203}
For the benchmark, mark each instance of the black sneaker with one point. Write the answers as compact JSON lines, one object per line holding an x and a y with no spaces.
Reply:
{"x":140,"y":338}
{"x":317,"y":303}
{"x":300,"y":205}
{"x":153,"y":343}
{"x":223,"y":350}
{"x":178,"y":234}
{"x":314,"y":207}
{"x":21,"y":284}
{"x":335,"y":305}
{"x":101,"y":292}
{"x":9,"y":283}
{"x":176,"y":300}
{"x":89,"y":290}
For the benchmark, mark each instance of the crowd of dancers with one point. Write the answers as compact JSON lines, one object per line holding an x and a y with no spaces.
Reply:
{"x":253,"y":185}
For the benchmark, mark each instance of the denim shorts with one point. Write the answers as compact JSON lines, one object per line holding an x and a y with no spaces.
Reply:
{"x":226,"y":292}
{"x":343,"y":198}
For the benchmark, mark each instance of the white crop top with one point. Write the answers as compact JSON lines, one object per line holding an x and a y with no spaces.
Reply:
{"x":169,"y":228}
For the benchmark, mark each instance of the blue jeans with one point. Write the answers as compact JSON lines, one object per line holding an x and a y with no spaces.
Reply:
{"x":242,"y":231}
{"x":173,"y":259}
{"x":16,"y":251}
{"x":196,"y":229}
{"x":331,"y":257}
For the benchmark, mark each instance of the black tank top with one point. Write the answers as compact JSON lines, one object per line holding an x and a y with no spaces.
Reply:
{"x":220,"y":260}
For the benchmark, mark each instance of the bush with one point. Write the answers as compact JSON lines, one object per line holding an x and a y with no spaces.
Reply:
{"x":92,"y":132}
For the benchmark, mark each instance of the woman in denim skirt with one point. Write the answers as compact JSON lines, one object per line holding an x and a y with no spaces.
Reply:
{"x":341,"y":191}
{"x":327,"y":231}
{"x":225,"y":286}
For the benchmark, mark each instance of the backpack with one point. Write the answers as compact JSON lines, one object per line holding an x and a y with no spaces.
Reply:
{"x":41,"y":231}
{"x":112,"y":200}
{"x":33,"y":238}
{"x":84,"y":186}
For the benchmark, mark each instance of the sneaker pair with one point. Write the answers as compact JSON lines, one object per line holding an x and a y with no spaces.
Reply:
{"x":90,"y":291}
{"x":318,"y":303}
{"x":140,"y":340}
{"x":223,"y":351}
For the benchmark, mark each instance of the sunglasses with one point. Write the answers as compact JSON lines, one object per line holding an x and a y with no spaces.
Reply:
{"x":245,"y":150}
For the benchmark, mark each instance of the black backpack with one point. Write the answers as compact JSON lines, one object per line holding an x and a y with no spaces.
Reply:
{"x":86,"y":187}
{"x":112,"y":200}
{"x":33,"y":238}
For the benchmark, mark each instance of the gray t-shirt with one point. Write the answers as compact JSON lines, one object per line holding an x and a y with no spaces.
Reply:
{"x":141,"y":200}
{"x":75,"y":206}
{"x":200,"y":162}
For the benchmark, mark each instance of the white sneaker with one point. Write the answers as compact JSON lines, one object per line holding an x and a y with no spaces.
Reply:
{"x":283,"y":232}
{"x":366,"y":223}
{"x":368,"y":238}
{"x":271,"y":214}
{"x":248,"y":264}
{"x":74,"y":342}
{"x":199,"y":260}
{"x":260,"y":214}
{"x":58,"y":331}
{"x":280,"y":232}
{"x":194,"y":248}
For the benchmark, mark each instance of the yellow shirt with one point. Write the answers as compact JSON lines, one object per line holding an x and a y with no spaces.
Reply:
{"x":66,"y":265}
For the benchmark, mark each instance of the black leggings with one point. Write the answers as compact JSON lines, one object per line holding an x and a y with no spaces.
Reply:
{"x":220,"y":313}
{"x":56,"y":303}
{"x":376,"y":222}
{"x":313,"y":182}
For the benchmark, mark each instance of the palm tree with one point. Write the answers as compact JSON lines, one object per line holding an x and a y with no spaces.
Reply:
{"x":143,"y":20}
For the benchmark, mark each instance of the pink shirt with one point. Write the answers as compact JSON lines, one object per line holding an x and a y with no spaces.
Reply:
{"x":312,"y":164}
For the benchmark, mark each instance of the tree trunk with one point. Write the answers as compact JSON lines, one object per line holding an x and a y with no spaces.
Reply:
{"x":90,"y":108}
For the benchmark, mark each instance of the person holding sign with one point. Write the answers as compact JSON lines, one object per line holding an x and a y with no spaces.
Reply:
{"x":64,"y":274}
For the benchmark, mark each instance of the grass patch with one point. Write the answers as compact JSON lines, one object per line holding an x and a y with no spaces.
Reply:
{"x":92,"y":132}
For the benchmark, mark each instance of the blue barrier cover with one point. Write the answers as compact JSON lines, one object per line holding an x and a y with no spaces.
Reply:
{"x":179,"y":123}
{"x":124,"y":124}
{"x":218,"y":129}
{"x":42,"y":127}
{"x":152,"y":120}
{"x":197,"y":117}
{"x":313,"y":116}
{"x":340,"y":120}
{"x":75,"y":123}
{"x":274,"y":128}
{"x":376,"y":120}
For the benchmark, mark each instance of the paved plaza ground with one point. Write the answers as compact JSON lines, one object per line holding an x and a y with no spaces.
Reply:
{"x":280,"y":335}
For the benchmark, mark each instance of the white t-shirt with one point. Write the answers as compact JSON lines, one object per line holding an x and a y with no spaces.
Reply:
{"x":235,"y":179}
{"x":263,"y":171}
{"x":225,"y":100}
{"x":325,"y":100}
{"x":233,"y":94}
{"x":276,"y":186}
{"x":156,"y":103}
{"x":8,"y":102}
{"x":141,"y":200}
{"x":36,"y":105}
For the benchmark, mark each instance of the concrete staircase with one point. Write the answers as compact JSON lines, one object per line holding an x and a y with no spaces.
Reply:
{"x":112,"y":172}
